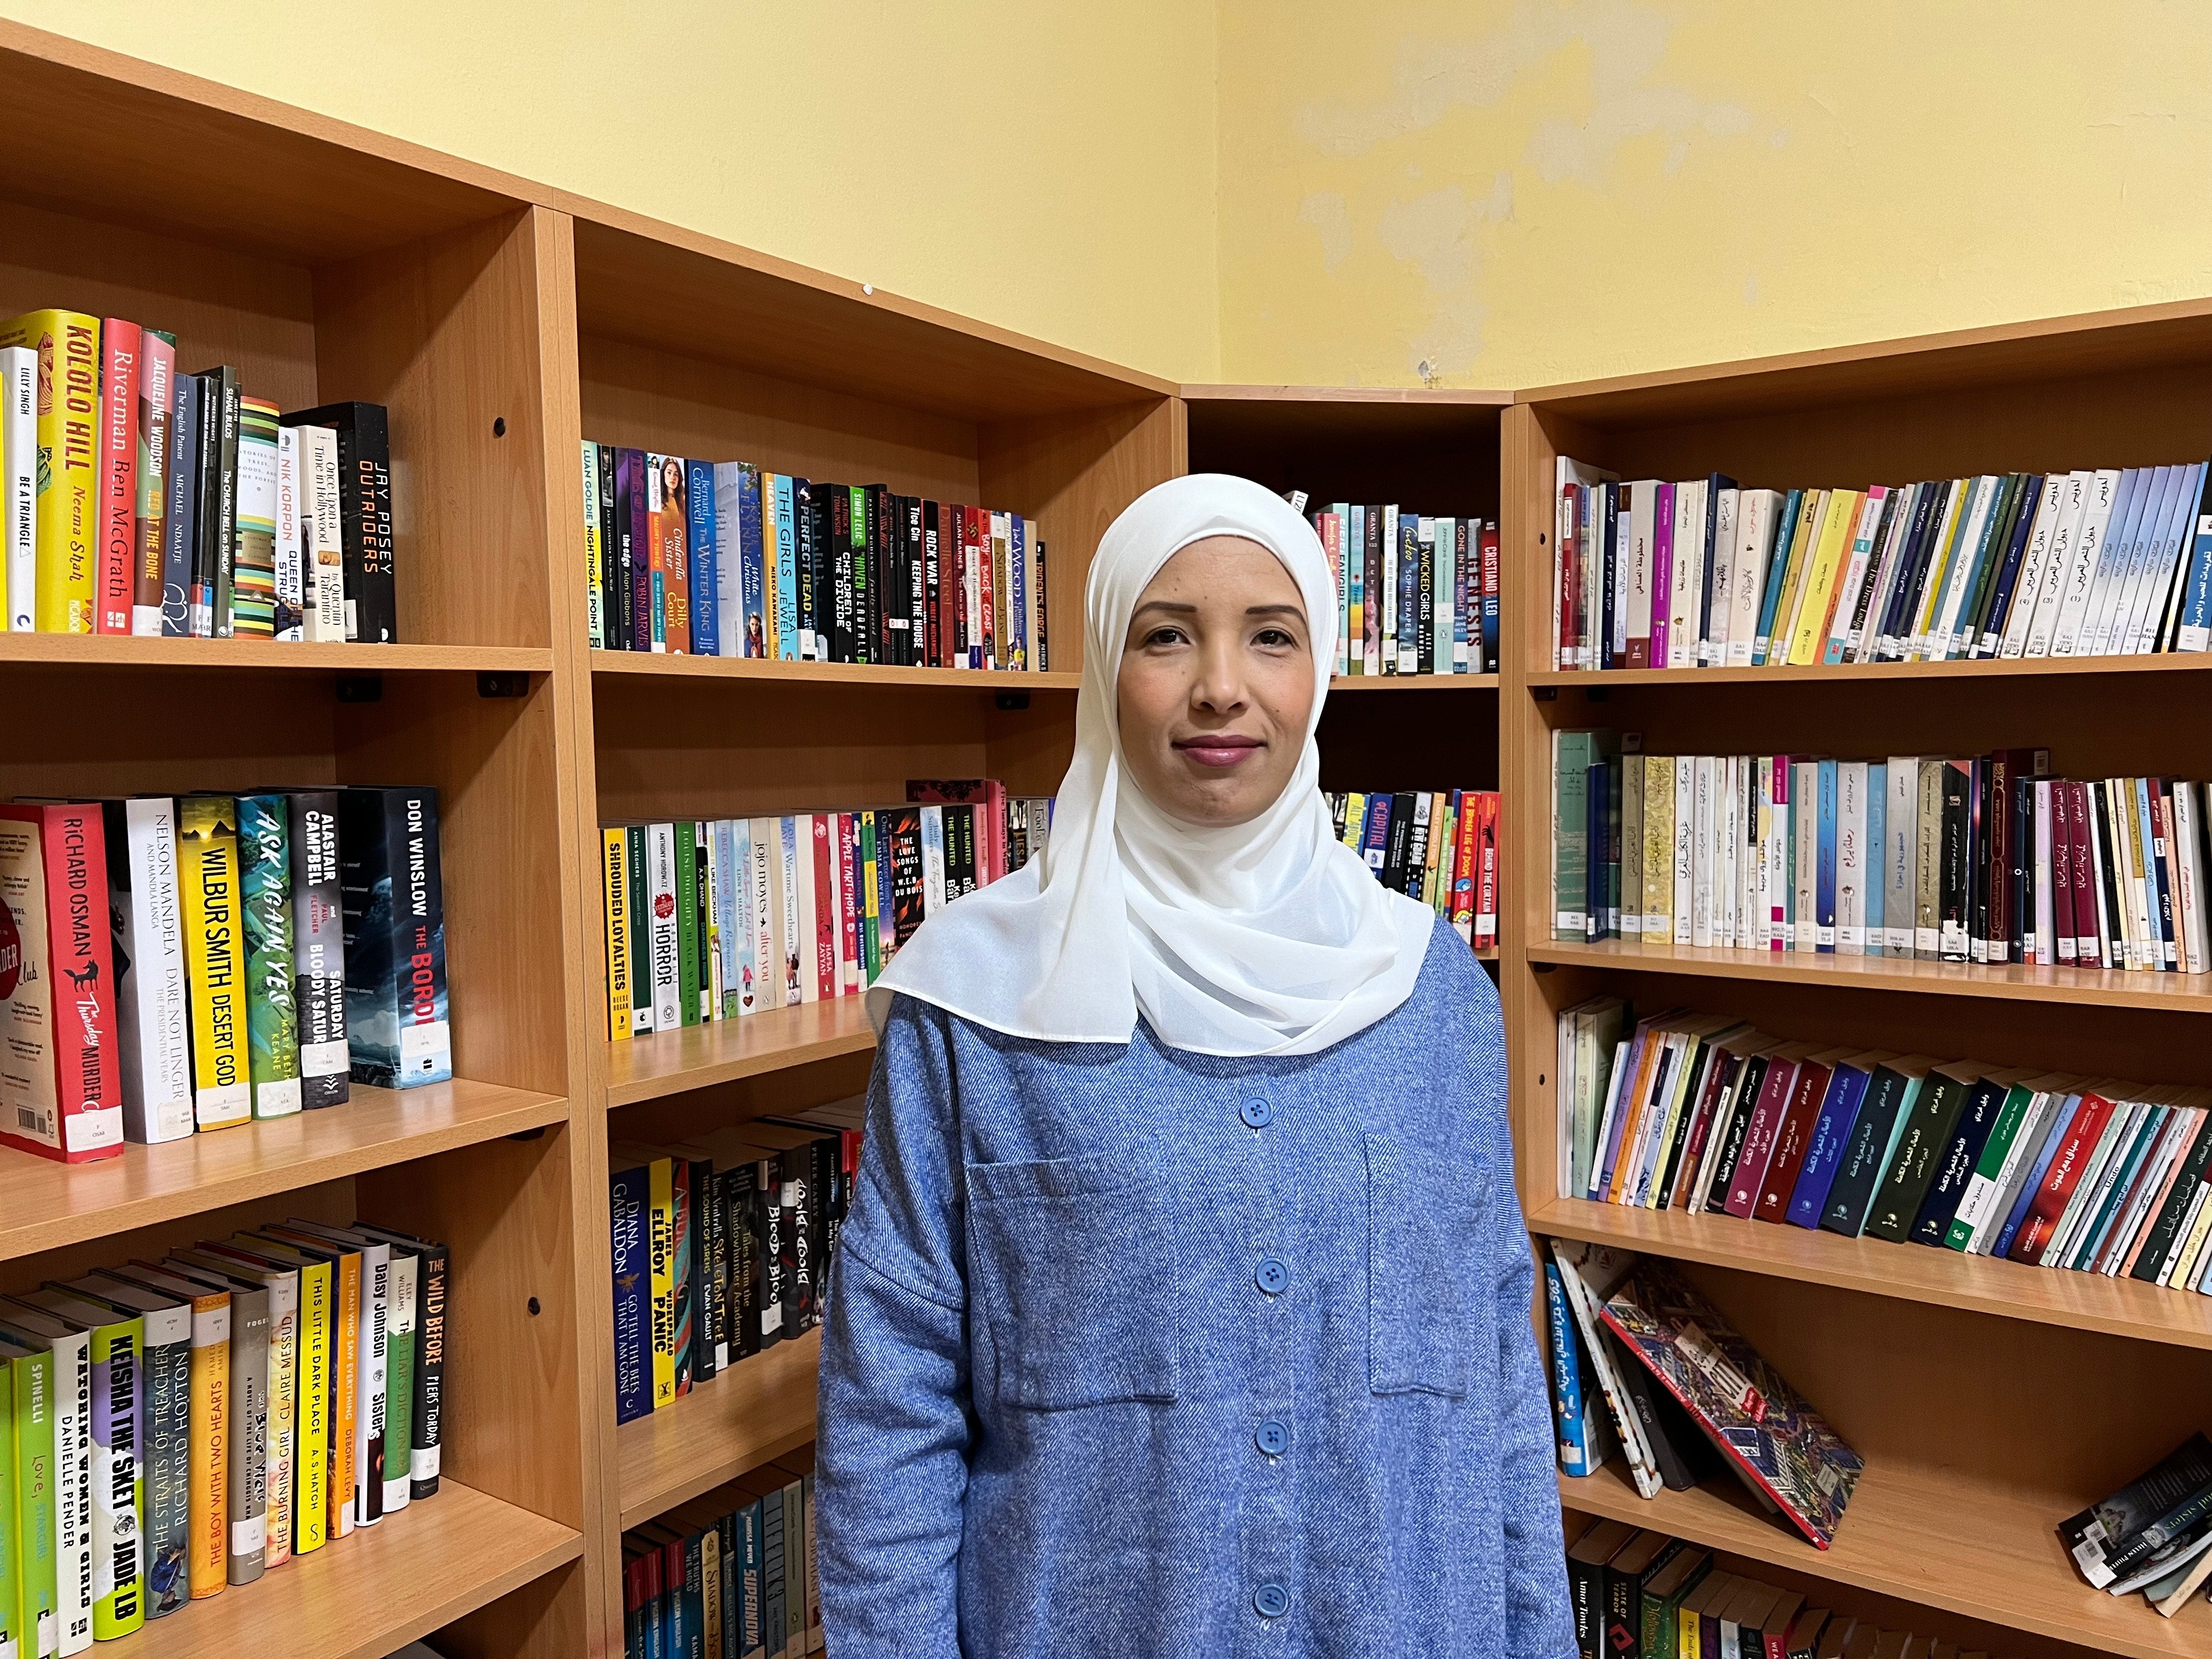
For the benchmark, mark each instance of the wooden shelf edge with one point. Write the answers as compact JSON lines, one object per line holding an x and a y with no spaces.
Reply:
{"x":127,"y":651}
{"x":1411,"y":683}
{"x":2163,"y":662}
{"x":2105,"y":987}
{"x":1908,"y":1273}
{"x":2007,"y":1570}
{"x":761,"y":1409}
{"x":1215,"y":391}
{"x":686,"y":666}
{"x":44,"y":1205}
{"x":698,"y":1056}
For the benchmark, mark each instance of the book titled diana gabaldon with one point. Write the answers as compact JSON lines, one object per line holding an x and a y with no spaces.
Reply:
{"x":397,"y":1025}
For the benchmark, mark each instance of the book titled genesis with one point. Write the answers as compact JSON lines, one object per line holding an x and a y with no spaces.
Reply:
{"x":397,"y":1030}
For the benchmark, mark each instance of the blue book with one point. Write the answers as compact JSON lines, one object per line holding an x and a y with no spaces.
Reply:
{"x":1777,"y":561}
{"x":1017,"y":619}
{"x":751,"y":1565}
{"x":1567,"y":1403}
{"x":1409,"y":592}
{"x":2163,"y":559}
{"x":1715,"y":483}
{"x":2091,"y":1243}
{"x":2051,"y":1142}
{"x":2173,"y":579}
{"x":1825,"y":895}
{"x":2008,"y":577}
{"x":1603,"y":908}
{"x":1375,"y":839}
{"x":786,"y":569}
{"x":629,"y":1194}
{"x":2112,"y":555}
{"x":1875,"y":862}
{"x":1884,"y":1107}
{"x":699,"y":498}
{"x":753,"y":591}
{"x":1832,"y":1133}
{"x":2151,"y":542}
{"x":2195,"y":632}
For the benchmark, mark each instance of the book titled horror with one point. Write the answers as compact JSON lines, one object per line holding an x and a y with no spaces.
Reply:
{"x":398,"y":1034}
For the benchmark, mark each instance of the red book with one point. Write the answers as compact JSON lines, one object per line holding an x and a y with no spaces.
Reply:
{"x":848,"y":918}
{"x":59,"y":1093}
{"x":2088,"y":934}
{"x":2062,"y":874}
{"x":119,"y":476}
{"x":952,"y":584}
{"x":1701,"y":1127}
{"x":986,"y":563}
{"x":2063,"y":1177}
{"x":828,"y":923}
{"x":1793,"y":1138}
{"x":1759,"y":1135}
{"x":1485,"y":873}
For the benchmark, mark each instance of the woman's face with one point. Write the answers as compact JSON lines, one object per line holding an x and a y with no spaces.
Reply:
{"x":1217,"y":683}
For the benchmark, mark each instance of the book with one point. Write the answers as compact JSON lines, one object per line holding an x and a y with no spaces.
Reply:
{"x":76,"y":1564}
{"x":58,"y":1080}
{"x":19,"y":487}
{"x":209,"y":1417}
{"x":265,"y":908}
{"x":2114,"y":1536}
{"x":66,"y":347}
{"x":249,"y":1441}
{"x":163,"y":1431}
{"x":398,"y":1032}
{"x":365,"y":519}
{"x":426,"y":1416}
{"x":215,"y":969}
{"x":317,"y":919}
{"x":147,"y":946}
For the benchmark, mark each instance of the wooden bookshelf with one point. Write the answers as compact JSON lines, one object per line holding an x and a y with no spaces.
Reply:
{"x":761,"y":1409}
{"x":701,"y":1056}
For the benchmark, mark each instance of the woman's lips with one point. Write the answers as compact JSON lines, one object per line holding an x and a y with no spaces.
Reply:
{"x":1221,"y":749}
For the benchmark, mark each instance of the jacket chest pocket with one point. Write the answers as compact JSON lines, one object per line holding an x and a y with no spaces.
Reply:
{"x":1427,"y":1283}
{"x":1074,"y":1259}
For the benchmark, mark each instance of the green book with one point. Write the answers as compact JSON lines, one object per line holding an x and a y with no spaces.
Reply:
{"x":1573,"y":753}
{"x":686,"y":921}
{"x":1989,"y":1169}
{"x":11,"y":1591}
{"x":35,"y":1611}
{"x":1663,"y":1591}
{"x":401,"y":1346}
{"x":119,"y":1487}
{"x":871,"y":949}
{"x":1927,"y":1137}
{"x":272,"y":1009}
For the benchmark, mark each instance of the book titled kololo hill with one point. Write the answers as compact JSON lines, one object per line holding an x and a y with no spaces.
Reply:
{"x":396,"y":1028}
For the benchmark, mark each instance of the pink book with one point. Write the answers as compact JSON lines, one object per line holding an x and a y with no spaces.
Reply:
{"x":1662,"y":572}
{"x":1761,"y":1133}
{"x":1778,"y":909}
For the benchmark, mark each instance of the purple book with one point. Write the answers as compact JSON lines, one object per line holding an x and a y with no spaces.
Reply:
{"x":1662,"y":571}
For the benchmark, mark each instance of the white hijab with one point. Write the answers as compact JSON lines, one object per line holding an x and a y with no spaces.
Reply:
{"x":1266,"y":937}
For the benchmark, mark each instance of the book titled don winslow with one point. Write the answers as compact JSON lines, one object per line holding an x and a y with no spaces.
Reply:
{"x":397,"y":1030}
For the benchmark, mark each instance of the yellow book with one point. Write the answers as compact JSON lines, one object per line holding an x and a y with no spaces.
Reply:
{"x":771,"y":645}
{"x":311,"y":1503}
{"x":614,"y":850}
{"x":1792,"y":576}
{"x":208,"y":1507}
{"x":660,"y":1235}
{"x":1939,"y":574}
{"x":1808,"y":634}
{"x":1355,"y":814}
{"x":1658,"y":851}
{"x":215,"y":969}
{"x":67,"y":534}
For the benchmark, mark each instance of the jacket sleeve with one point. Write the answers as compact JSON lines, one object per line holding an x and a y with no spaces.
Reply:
{"x":895,"y":1425}
{"x":1539,"y":1620}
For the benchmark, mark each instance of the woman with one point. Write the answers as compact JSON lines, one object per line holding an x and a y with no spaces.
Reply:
{"x":1183,"y":1305}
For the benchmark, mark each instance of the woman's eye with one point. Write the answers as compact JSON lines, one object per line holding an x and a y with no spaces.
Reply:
{"x":1164,"y":636}
{"x":1275,"y":637}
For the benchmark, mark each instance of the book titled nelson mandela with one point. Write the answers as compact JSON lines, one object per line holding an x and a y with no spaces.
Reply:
{"x":398,"y":1036}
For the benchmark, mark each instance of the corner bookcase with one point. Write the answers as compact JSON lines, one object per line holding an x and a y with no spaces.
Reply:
{"x":503,"y":321}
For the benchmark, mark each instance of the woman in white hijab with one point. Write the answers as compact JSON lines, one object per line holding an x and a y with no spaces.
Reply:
{"x":1183,"y":1306}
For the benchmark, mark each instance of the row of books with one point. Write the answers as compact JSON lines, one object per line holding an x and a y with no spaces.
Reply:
{"x":1414,"y":594}
{"x":728,"y":559}
{"x":1703,"y":1113}
{"x":2154,"y":1534}
{"x":170,"y":965}
{"x":2106,"y":561}
{"x":728,"y":1575}
{"x":1643,"y":1364}
{"x":1638,"y":1593}
{"x":722,"y":1246}
{"x":170,"y":1429}
{"x":1440,"y":847}
{"x":1983,"y":858}
{"x":715,"y":919}
{"x":139,"y":500}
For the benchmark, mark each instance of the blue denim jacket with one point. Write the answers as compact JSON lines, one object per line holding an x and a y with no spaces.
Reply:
{"x":1138,"y":1352}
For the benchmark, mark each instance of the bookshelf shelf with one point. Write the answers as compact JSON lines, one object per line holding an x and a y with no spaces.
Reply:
{"x":698,"y":1056}
{"x":1945,"y":1279}
{"x":1411,"y":683}
{"x":44,"y":1204}
{"x":375,"y":1590}
{"x":761,"y":1408}
{"x":1938,"y":1536}
{"x":2104,"y":987}
{"x":2069,"y":669}
{"x":266,"y":656}
{"x":826,"y":673}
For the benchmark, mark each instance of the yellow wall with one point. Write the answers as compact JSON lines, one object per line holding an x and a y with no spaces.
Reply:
{"x":1047,"y":167}
{"x":1515,"y":192}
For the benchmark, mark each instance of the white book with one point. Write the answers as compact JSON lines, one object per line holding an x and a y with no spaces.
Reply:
{"x":1569,"y":1096}
{"x":659,"y":885}
{"x":933,"y":860}
{"x":1701,"y":867}
{"x":1686,"y":841}
{"x":2177,"y":1255}
{"x":1605,"y":1267}
{"x":1728,"y":889}
{"x":322,"y":549}
{"x":595,"y":550}
{"x":710,"y":948}
{"x":1757,"y":514}
{"x":1957,"y":498}
{"x":1858,"y":562}
{"x":1632,"y":610}
{"x":2082,"y":562}
{"x":1850,"y":858}
{"x":2058,"y":562}
{"x":2153,"y":580}
{"x":1805,"y":791}
{"x":2189,"y":875}
{"x":1900,"y":835}
{"x":2121,"y":626}
{"x":1616,"y":1086}
{"x":766,"y":836}
{"x":804,"y":907}
{"x":1779,"y":872}
{"x":2042,"y":939}
{"x":2034,"y":560}
{"x":2165,"y":631}
{"x":1860,"y":643}
{"x":1388,"y":663}
{"x":793,"y":870}
{"x":156,"y":1024}
{"x":2138,"y":486}
{"x":1712,"y":643}
{"x":1958,"y":579}
{"x":19,"y":485}
{"x":1686,"y":583}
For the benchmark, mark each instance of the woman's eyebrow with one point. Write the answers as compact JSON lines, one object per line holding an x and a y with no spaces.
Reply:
{"x":1274,"y":611}
{"x":1166,"y":604}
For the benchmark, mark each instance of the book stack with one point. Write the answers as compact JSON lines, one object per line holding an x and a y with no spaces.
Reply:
{"x":728,"y":1575}
{"x":1637,"y":1593}
{"x":1414,"y":594}
{"x":1702,"y":1112}
{"x":172,"y":1429}
{"x":717,"y":919}
{"x":141,"y":501}
{"x":728,"y":559}
{"x":1440,"y":847}
{"x":722,"y":1246}
{"x":260,"y":953}
{"x":1984,"y":858}
{"x":2154,"y":1534}
{"x":2096,"y":563}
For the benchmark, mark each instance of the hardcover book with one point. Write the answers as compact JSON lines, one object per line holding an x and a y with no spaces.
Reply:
{"x":147,"y":946}
{"x":364,"y":447}
{"x":57,"y":1066}
{"x":396,"y":1028}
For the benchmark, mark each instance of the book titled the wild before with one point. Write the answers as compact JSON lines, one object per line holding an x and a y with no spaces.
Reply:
{"x":141,"y":499}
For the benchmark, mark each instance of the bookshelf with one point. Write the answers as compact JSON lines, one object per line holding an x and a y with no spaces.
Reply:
{"x":1964,"y":1381}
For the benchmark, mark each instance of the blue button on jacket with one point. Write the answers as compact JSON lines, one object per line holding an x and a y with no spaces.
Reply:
{"x":1047,"y":1350}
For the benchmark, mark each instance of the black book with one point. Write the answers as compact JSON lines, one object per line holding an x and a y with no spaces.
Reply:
{"x":805,"y":551}
{"x":393,"y":896}
{"x":959,"y":849}
{"x":1679,"y":1448}
{"x":2195,"y":1163}
{"x":1586,"y":1563}
{"x":1705,"y":1062}
{"x":372,"y":603}
{"x":1955,"y":1166}
{"x":1851,"y":1194}
{"x":1995,"y":612}
{"x":1417,"y":847}
{"x":1928,"y":1134}
{"x":932,"y":577}
{"x":1607,"y":500}
{"x":1425,"y":588}
{"x":622,"y":558}
{"x":1733,"y":1131}
{"x":1980,"y":821}
{"x":1957,"y":883}
{"x":614,"y":574}
{"x":710,"y":1337}
{"x":868,"y":561}
{"x":2161,"y":804}
{"x":902,"y":828}
{"x":318,"y":950}
{"x":432,"y":1285}
{"x":838,"y":522}
{"x":917,"y":587}
{"x":1908,"y":585}
{"x":795,"y":1196}
{"x":217,"y":517}
{"x":1638,"y":1559}
{"x":1397,"y":840}
{"x":181,"y":528}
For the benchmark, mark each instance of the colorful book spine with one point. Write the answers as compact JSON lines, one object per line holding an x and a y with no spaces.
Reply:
{"x":392,"y":891}
{"x":214,"y":965}
{"x":364,"y":447}
{"x":318,"y":921}
{"x":122,"y":369}
{"x":58,"y":1015}
{"x":266,"y":934}
{"x":148,"y":952}
{"x":67,"y":344}
{"x":253,"y":578}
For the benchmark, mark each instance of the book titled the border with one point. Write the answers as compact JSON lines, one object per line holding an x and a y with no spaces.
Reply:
{"x":396,"y":1028}
{"x":1778,"y":1441}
